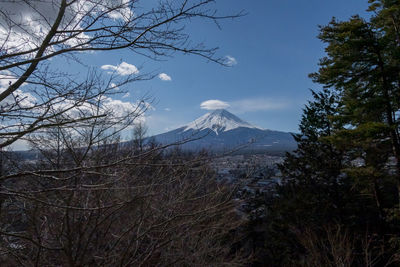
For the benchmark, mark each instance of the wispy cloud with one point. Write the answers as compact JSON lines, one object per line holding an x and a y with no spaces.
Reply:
{"x":122,"y":69}
{"x":164,"y":77}
{"x":214,"y":104}
{"x":258,"y":104}
{"x":247,"y":105}
{"x":167,"y":109}
{"x":126,"y":95}
{"x":230,"y":61}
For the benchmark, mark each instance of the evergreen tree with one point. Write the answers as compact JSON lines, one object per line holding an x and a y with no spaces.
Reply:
{"x":361,"y":66}
{"x":346,"y":169}
{"x":314,"y":192}
{"x":311,"y":175}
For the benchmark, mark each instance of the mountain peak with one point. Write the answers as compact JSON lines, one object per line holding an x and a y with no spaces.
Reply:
{"x":220,"y":120}
{"x":221,"y":112}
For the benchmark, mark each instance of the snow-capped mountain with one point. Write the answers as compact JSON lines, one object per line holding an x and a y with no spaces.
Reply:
{"x":218,"y":121}
{"x":220,"y":130}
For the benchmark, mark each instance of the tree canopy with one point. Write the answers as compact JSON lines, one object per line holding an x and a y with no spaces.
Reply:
{"x":338,"y":203}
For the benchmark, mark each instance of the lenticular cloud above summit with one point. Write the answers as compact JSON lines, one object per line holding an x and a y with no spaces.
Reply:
{"x":214,"y":104}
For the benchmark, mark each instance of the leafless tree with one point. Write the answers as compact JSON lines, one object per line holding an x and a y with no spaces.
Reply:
{"x":334,"y":246}
{"x":139,"y":134}
{"x":88,"y":199}
{"x":32,"y":32}
{"x":146,"y":211}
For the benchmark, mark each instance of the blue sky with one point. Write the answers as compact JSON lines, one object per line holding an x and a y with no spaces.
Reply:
{"x":274,"y":46}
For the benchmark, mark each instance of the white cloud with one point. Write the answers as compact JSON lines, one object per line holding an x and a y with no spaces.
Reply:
{"x":121,"y":69}
{"x":164,"y":77}
{"x":26,"y":23}
{"x":119,"y":114}
{"x":114,"y":86}
{"x":23,"y":99}
{"x":6,"y":77}
{"x":114,"y":109}
{"x":120,"y":108}
{"x":123,"y":13}
{"x":230,"y":61}
{"x":214,"y":104}
{"x":126,"y":95}
{"x":247,"y":105}
{"x":167,"y":109}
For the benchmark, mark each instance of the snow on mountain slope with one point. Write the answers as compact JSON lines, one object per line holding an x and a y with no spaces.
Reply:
{"x":218,"y":121}
{"x":220,"y":130}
